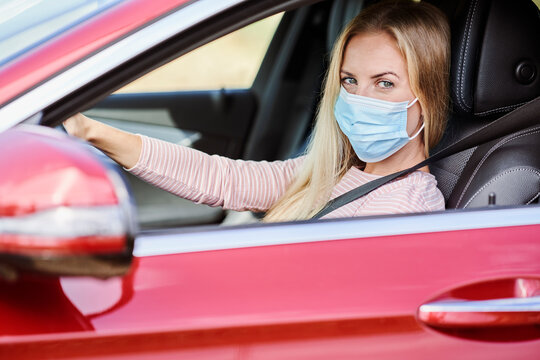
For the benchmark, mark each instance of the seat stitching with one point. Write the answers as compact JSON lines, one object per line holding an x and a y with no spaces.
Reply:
{"x":493,"y":148}
{"x":464,"y":54}
{"x":498,"y":177}
{"x":501,"y":109}
{"x":533,"y":198}
{"x":443,"y":169}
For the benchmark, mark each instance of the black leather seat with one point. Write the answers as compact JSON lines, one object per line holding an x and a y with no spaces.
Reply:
{"x":495,"y":68}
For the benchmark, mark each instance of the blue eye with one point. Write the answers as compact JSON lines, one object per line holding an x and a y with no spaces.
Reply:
{"x":349,"y":81}
{"x":385,"y":84}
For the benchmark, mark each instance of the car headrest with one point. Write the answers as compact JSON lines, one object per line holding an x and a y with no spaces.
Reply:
{"x":495,"y":55}
{"x":341,"y":13}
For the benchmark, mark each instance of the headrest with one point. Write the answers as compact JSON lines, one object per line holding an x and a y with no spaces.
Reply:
{"x":341,"y":13}
{"x":495,"y":55}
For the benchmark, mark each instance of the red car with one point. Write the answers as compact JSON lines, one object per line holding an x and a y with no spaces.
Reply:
{"x":96,"y":264}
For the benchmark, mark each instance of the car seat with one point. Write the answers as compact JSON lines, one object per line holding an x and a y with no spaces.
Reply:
{"x":495,"y":69}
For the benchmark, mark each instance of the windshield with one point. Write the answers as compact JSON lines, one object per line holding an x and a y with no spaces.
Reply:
{"x":25,"y":24}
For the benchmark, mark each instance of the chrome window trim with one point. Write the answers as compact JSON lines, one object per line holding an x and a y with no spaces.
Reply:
{"x":221,"y":238}
{"x":72,"y":79}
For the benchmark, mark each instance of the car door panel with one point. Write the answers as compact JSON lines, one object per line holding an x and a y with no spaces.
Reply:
{"x":344,"y":298}
{"x":222,"y":117}
{"x":216,"y":122}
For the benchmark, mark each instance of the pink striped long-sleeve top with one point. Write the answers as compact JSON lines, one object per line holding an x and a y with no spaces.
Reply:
{"x":256,"y":185}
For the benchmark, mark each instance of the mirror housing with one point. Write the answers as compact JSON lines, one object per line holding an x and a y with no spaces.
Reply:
{"x":63,"y":210}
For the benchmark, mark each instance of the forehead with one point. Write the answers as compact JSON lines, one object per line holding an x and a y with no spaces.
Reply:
{"x":366,"y":53}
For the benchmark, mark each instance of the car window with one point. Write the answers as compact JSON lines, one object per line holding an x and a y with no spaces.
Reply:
{"x":220,"y":116}
{"x":25,"y":24}
{"x":230,"y":62}
{"x":202,"y":100}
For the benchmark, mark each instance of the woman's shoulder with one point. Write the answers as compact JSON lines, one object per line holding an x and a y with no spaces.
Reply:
{"x":419,"y":181}
{"x":416,"y":179}
{"x":424,"y":186}
{"x":417,"y":191}
{"x":419,"y":176}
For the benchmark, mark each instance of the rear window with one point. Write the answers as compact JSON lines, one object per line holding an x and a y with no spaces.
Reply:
{"x":25,"y":24}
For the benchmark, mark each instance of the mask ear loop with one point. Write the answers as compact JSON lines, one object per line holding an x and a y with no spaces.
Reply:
{"x":418,"y":132}
{"x":423,"y":123}
{"x":413,"y":102}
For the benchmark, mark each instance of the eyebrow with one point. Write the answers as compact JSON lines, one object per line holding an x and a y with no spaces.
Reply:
{"x":385,"y":73}
{"x":374,"y":76}
{"x":346,"y":73}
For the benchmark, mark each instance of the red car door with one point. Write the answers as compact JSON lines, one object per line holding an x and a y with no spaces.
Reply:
{"x":333,"y":289}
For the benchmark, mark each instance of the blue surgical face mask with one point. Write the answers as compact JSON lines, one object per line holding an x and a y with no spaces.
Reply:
{"x":376,"y":128}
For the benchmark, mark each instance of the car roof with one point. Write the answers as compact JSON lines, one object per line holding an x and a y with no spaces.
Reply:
{"x":75,"y":43}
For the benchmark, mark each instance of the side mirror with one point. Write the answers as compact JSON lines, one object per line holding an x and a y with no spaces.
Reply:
{"x":63,"y":211}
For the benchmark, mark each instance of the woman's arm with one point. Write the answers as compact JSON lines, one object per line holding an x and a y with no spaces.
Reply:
{"x":214,"y":180}
{"x":208,"y":179}
{"x":121,"y":146}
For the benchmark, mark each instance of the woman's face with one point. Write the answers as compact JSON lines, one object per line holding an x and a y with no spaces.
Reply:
{"x":373,"y":67}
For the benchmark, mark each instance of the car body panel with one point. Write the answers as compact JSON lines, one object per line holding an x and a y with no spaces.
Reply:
{"x":291,"y":295}
{"x":73,"y":46}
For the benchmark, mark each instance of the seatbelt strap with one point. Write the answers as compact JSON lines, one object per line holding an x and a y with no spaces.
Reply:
{"x":519,"y":119}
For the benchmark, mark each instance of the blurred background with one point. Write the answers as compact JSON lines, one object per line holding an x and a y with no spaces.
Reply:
{"x":240,"y":53}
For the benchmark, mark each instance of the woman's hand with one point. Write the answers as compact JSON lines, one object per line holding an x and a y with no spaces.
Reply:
{"x":78,"y":126}
{"x":121,"y":146}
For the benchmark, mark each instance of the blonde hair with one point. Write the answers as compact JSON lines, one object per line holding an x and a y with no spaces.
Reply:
{"x":422,"y":34}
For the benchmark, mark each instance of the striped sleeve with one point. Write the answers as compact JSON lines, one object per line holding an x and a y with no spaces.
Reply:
{"x":214,"y":180}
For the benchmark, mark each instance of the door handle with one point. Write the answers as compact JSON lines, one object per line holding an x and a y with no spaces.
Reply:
{"x":484,"y":313}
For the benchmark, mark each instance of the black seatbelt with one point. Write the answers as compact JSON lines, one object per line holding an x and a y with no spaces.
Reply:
{"x":521,"y":118}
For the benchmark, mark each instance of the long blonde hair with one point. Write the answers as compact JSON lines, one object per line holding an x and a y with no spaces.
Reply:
{"x":422,"y":34}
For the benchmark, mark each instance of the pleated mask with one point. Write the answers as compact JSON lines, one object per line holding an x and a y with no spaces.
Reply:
{"x":376,"y":128}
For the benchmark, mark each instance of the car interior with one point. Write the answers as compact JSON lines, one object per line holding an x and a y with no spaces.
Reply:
{"x":484,"y":86}
{"x":494,"y":69}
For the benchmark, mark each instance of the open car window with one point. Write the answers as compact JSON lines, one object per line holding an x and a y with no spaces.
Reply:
{"x":203,"y":99}
{"x":265,"y":113}
{"x":251,"y":94}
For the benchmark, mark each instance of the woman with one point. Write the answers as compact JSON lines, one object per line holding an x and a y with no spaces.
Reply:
{"x":383,"y":107}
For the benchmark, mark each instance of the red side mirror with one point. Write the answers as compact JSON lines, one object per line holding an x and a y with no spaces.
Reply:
{"x":63,"y":210}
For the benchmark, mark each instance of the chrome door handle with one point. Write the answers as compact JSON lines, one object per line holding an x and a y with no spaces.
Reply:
{"x":484,"y":313}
